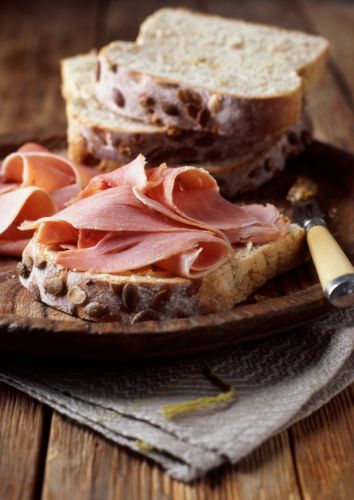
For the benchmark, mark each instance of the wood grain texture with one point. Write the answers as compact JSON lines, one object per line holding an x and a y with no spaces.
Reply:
{"x":34,"y":36}
{"x":324,"y":450}
{"x":335,"y":20}
{"x":117,"y":22}
{"x":22,"y":442}
{"x":85,"y":466}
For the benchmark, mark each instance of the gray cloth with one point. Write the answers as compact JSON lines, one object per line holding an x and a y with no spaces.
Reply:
{"x":277,"y":382}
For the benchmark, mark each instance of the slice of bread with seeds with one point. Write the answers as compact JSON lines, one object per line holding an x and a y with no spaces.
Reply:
{"x":152,"y":295}
{"x":202,"y":72}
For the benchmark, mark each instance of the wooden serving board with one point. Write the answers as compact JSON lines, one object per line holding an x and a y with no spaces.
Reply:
{"x":28,"y":327}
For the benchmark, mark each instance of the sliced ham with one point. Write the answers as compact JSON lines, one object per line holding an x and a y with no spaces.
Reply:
{"x":54,"y":232}
{"x":25,"y":203}
{"x":16,"y":206}
{"x":194,"y":195}
{"x":132,"y":174}
{"x":120,"y":252}
{"x":174,"y":219}
{"x":190,"y":195}
{"x":116,"y":209}
{"x":48,"y":171}
{"x":6,"y":187}
{"x":34,"y":183}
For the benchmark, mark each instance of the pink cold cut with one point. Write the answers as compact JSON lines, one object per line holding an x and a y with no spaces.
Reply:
{"x":173,"y":219}
{"x":34,"y":183}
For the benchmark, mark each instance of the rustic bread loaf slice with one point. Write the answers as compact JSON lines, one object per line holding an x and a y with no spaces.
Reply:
{"x":95,"y":133}
{"x":304,"y":53}
{"x":132,"y":298}
{"x":251,"y":88}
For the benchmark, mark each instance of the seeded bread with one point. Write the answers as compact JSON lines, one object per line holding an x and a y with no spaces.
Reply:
{"x":95,"y":133}
{"x":133,"y":298}
{"x":252,"y":87}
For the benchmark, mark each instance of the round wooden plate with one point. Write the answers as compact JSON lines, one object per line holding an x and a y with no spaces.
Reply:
{"x":28,"y":327}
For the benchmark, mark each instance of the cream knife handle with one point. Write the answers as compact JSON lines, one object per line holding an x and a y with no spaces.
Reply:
{"x":335,"y":271}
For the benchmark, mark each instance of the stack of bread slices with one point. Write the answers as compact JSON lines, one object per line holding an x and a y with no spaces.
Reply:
{"x":195,"y":89}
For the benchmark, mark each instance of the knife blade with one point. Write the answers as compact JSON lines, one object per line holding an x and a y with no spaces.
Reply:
{"x":334,"y":269}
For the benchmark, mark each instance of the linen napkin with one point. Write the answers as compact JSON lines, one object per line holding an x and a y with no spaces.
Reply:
{"x":193,"y":415}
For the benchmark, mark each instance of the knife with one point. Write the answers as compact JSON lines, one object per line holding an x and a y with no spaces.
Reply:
{"x":334,"y":269}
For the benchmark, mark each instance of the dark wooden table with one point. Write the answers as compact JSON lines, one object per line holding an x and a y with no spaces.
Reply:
{"x":45,"y":455}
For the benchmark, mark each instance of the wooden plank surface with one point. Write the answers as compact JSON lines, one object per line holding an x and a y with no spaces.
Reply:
{"x":35,"y":36}
{"x":314,"y":459}
{"x":23,"y":439}
{"x":324,"y":450}
{"x":85,"y":465}
{"x":335,"y":20}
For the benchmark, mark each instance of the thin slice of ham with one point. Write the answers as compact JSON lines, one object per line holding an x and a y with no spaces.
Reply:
{"x":194,"y":195}
{"x":114,"y":210}
{"x":6,"y":187}
{"x":34,"y":165}
{"x":133,"y":174}
{"x":119,"y":252}
{"x":16,"y":206}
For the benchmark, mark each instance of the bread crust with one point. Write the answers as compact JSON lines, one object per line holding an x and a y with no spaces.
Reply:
{"x":133,"y":298}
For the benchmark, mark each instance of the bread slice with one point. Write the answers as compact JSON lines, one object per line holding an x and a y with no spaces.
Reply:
{"x":209,"y":73}
{"x":98,"y":136}
{"x":91,"y":146}
{"x":150,"y":295}
{"x":304,"y":53}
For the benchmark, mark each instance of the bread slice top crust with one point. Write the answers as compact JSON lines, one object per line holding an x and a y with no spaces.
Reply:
{"x":133,"y":298}
{"x":251,"y":45}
